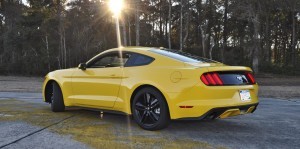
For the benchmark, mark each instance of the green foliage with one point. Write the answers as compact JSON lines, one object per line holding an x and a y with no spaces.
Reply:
{"x":54,"y":34}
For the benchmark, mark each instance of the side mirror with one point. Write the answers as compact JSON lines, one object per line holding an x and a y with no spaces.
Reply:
{"x":82,"y":66}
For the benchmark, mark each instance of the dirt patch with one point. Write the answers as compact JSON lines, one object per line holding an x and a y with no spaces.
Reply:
{"x":278,"y":86}
{"x":277,"y":80}
{"x":283,"y":92}
{"x":20,"y":84}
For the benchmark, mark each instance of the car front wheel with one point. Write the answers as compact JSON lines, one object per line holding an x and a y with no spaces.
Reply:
{"x":57,"y":101}
{"x":150,"y":110}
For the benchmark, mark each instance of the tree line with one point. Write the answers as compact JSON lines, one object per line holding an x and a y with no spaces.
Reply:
{"x":38,"y":36}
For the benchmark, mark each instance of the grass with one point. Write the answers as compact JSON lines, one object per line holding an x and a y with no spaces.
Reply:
{"x":114,"y":131}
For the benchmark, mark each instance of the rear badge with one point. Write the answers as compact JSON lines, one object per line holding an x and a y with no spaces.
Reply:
{"x":239,"y":78}
{"x":245,"y":95}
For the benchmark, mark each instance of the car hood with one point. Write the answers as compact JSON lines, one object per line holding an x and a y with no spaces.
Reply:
{"x":65,"y":73}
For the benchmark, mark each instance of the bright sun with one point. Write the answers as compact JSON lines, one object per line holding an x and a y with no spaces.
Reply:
{"x":116,"y":6}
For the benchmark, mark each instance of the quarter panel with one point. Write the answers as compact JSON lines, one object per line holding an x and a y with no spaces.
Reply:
{"x":134,"y":77}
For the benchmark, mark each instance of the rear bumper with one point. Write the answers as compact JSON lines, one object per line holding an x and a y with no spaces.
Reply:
{"x":203,"y":99}
{"x":225,"y":112}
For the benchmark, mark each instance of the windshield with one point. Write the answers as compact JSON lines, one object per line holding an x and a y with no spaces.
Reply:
{"x":182,"y":56}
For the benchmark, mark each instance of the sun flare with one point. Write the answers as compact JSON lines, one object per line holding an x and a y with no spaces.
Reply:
{"x":116,"y":6}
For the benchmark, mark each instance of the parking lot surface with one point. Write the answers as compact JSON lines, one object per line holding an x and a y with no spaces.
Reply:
{"x":27,"y":122}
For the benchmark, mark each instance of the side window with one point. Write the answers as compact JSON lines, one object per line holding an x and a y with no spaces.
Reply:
{"x":139,"y":60}
{"x":110,"y":60}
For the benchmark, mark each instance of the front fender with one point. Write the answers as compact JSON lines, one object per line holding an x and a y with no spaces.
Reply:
{"x":64,"y":79}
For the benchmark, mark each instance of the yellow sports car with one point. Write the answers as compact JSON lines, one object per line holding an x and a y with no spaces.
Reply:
{"x":154,"y":85}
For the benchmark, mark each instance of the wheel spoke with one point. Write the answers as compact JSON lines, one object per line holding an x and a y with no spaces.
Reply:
{"x":147,"y":98}
{"x":143,"y":117}
{"x":153,"y":116}
{"x":140,"y":106}
{"x":154,"y":103}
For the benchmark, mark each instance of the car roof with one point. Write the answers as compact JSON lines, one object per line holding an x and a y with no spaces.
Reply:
{"x":133,"y":48}
{"x":136,"y":49}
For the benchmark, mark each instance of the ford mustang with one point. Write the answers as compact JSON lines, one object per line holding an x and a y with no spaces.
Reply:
{"x":154,"y":86}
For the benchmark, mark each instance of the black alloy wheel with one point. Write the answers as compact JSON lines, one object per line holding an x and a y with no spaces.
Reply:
{"x":150,"y":109}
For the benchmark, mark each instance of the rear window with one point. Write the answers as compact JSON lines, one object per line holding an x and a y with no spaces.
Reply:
{"x":182,"y":56}
{"x":138,"y":60}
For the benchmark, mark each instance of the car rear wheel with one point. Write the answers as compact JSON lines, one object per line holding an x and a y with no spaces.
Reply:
{"x":150,"y":110}
{"x":57,"y":101}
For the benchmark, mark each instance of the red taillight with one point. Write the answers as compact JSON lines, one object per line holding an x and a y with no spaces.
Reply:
{"x":211,"y":79}
{"x":217,"y":78}
{"x":251,"y":77}
{"x":204,"y":80}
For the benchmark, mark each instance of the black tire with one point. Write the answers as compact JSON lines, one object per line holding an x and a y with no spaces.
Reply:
{"x":150,"y":109}
{"x":57,"y":101}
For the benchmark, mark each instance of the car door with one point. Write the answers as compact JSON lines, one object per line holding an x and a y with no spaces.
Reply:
{"x":98,"y":85}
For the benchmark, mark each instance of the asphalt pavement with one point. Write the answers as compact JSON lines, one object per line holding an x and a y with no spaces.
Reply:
{"x":27,"y":122}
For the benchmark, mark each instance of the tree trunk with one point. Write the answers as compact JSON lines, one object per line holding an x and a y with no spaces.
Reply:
{"x":208,"y":40}
{"x":225,"y":31}
{"x":255,"y":53}
{"x":293,"y":53}
{"x":170,"y":21}
{"x":199,"y":30}
{"x":160,"y":21}
{"x":203,"y":33}
{"x":241,"y":39}
{"x":181,"y":19}
{"x":276,"y":57}
{"x":268,"y":41}
{"x":64,"y":48}
{"x":58,"y":61}
{"x":124,"y":32}
{"x":211,"y":47}
{"x":166,"y":29}
{"x":137,"y":23}
{"x":48,"y":53}
{"x":186,"y":26}
{"x":60,"y":50}
{"x":129,"y":31}
{"x":285,"y":50}
{"x":60,"y":33}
